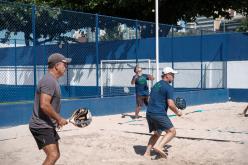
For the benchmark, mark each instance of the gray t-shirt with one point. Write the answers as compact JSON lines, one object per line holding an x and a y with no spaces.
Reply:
{"x":48,"y":85}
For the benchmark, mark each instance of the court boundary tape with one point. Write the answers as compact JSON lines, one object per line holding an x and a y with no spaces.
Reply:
{"x":191,"y":138}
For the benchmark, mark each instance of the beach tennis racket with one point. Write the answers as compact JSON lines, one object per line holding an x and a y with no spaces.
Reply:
{"x":180,"y":103}
{"x":81,"y":117}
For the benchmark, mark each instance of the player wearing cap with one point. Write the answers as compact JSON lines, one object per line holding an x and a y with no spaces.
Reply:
{"x":161,"y":98}
{"x":45,"y":117}
{"x":141,"y":88}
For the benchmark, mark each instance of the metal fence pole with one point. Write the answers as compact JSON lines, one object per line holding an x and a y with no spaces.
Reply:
{"x":136,"y":41}
{"x":44,"y":58}
{"x":201,"y":60}
{"x":172,"y":52}
{"x":224,"y":63}
{"x":67,"y":77}
{"x":34,"y":43}
{"x":15,"y":65}
{"x":172,"y":47}
{"x":97,"y":55}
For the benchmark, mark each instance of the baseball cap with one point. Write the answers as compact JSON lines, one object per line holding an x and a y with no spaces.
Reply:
{"x":167,"y":70}
{"x":56,"y":58}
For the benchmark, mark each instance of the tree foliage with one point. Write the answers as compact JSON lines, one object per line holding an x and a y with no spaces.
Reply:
{"x":244,"y":26}
{"x":170,"y":10}
{"x":53,"y":24}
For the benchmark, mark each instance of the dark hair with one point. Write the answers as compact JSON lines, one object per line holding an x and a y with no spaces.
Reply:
{"x":135,"y":68}
{"x":51,"y":65}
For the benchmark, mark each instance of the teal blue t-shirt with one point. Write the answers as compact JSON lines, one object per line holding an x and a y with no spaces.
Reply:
{"x":160,"y":93}
{"x":141,"y":87}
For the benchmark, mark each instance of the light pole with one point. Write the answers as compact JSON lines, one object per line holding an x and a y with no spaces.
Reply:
{"x":157,"y":38}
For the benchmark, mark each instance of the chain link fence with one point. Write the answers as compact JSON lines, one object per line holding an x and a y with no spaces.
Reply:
{"x":104,"y":50}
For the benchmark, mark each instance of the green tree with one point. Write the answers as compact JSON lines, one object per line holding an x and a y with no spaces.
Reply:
{"x":244,"y":26}
{"x":170,"y":10}
{"x":53,"y":24}
{"x":14,"y":19}
{"x":50,"y":24}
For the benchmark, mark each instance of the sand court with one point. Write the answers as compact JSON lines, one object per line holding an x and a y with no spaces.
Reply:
{"x":216,"y":135}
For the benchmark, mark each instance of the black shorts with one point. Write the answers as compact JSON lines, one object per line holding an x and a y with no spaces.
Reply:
{"x":44,"y":136}
{"x":141,"y":100}
{"x":158,"y":123}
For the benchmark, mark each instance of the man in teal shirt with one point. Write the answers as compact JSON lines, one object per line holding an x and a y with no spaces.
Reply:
{"x":161,"y":98}
{"x":141,"y":88}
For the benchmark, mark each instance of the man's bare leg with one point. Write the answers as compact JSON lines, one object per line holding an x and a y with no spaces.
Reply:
{"x":52,"y":154}
{"x":137,"y":110}
{"x":245,"y":111}
{"x":166,"y":139}
{"x":152,"y":141}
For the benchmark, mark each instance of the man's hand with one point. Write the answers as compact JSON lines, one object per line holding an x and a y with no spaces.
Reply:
{"x":61,"y":122}
{"x":179,"y":113}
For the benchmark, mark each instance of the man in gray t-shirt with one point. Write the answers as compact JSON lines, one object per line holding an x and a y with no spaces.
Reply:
{"x":45,"y":117}
{"x":47,"y":85}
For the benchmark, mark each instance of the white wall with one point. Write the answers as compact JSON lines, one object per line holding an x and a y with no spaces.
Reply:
{"x":237,"y":74}
{"x":121,"y":74}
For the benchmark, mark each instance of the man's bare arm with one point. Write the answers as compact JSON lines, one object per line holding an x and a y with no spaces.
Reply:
{"x":47,"y":108}
{"x":134,"y":79}
{"x":173,"y":107}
